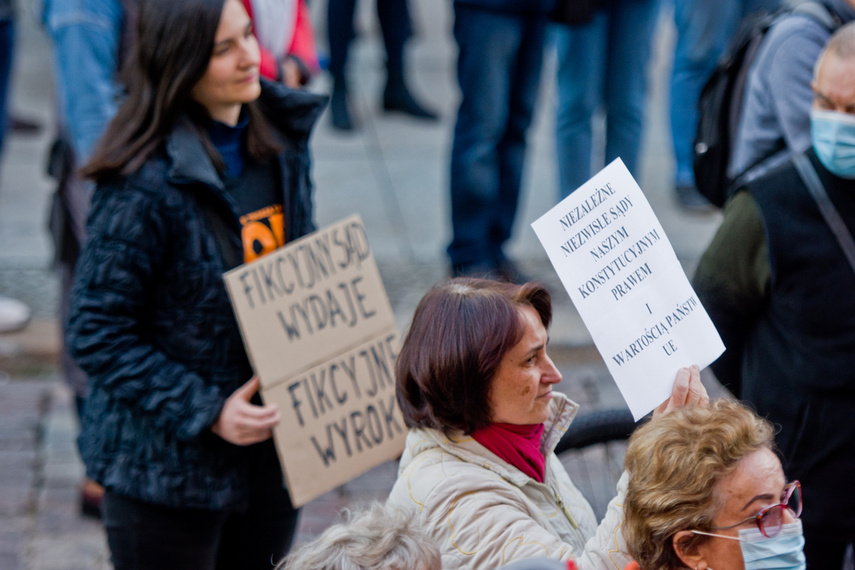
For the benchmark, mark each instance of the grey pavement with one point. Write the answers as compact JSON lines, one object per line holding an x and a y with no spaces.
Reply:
{"x":393,"y":172}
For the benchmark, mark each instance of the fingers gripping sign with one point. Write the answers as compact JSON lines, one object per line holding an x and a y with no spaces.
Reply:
{"x":243,"y":423}
{"x":688,"y":391}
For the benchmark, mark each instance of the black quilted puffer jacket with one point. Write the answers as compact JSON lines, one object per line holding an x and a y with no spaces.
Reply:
{"x":151,"y":324}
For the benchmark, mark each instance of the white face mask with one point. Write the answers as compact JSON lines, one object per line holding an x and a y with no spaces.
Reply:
{"x":784,"y":551}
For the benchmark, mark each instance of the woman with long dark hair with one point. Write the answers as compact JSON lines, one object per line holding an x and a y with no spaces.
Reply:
{"x":203,"y":168}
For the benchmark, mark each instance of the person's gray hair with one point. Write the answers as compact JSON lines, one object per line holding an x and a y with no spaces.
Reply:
{"x":378,"y":538}
{"x":841,"y":44}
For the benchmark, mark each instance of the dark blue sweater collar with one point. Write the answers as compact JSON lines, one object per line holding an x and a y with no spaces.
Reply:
{"x":228,"y":140}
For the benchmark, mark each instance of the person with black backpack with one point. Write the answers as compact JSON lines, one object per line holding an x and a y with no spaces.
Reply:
{"x":776,"y":105}
{"x":754,"y":108}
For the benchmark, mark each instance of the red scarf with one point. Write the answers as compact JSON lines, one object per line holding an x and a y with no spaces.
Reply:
{"x":518,"y":445}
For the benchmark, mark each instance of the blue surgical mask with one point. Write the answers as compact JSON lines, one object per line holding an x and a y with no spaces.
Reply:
{"x":781,"y":552}
{"x":832,"y":135}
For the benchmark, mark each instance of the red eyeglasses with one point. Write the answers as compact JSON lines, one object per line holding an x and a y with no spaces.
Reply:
{"x":771,"y":519}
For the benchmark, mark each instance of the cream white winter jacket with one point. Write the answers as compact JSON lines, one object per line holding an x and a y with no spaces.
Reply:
{"x":484,"y":513}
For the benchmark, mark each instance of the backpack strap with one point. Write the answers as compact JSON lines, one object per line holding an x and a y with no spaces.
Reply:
{"x":817,"y":191}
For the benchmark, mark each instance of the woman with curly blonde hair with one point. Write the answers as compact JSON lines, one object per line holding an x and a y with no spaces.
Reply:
{"x":707,"y":491}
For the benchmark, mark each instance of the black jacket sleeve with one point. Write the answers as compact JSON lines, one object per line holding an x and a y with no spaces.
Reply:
{"x":109,"y":332}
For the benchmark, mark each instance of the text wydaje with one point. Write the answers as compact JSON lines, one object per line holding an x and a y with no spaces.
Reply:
{"x":343,"y":304}
{"x":365,"y":375}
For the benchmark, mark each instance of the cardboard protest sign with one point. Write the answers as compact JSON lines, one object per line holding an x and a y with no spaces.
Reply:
{"x":321,"y":336}
{"x":623,"y":276}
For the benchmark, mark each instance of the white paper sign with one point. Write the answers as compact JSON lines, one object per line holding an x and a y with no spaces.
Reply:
{"x":623,"y":276}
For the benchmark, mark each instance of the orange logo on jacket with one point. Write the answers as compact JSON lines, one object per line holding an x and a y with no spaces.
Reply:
{"x":262,"y":231}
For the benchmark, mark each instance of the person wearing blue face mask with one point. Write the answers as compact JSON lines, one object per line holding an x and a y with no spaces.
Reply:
{"x":707,"y":491}
{"x":777,"y":283}
{"x":833,"y":138}
{"x":832,"y":119}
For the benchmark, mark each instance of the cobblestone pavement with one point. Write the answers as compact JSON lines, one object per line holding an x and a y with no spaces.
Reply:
{"x":40,"y":525}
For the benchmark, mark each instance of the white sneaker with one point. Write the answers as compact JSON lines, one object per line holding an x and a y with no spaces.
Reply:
{"x":14,"y":315}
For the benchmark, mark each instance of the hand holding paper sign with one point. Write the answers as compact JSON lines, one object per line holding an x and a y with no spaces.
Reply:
{"x":687,"y":391}
{"x":243,"y":423}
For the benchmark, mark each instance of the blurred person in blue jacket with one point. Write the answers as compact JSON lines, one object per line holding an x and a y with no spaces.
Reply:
{"x":775,"y":118}
{"x":90,"y":40}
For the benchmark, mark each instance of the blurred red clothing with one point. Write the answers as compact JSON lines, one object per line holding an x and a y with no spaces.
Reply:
{"x":300,"y":43}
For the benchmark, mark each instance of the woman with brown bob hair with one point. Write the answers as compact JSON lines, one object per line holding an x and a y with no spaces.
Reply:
{"x":474,"y":384}
{"x":706,"y":490}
